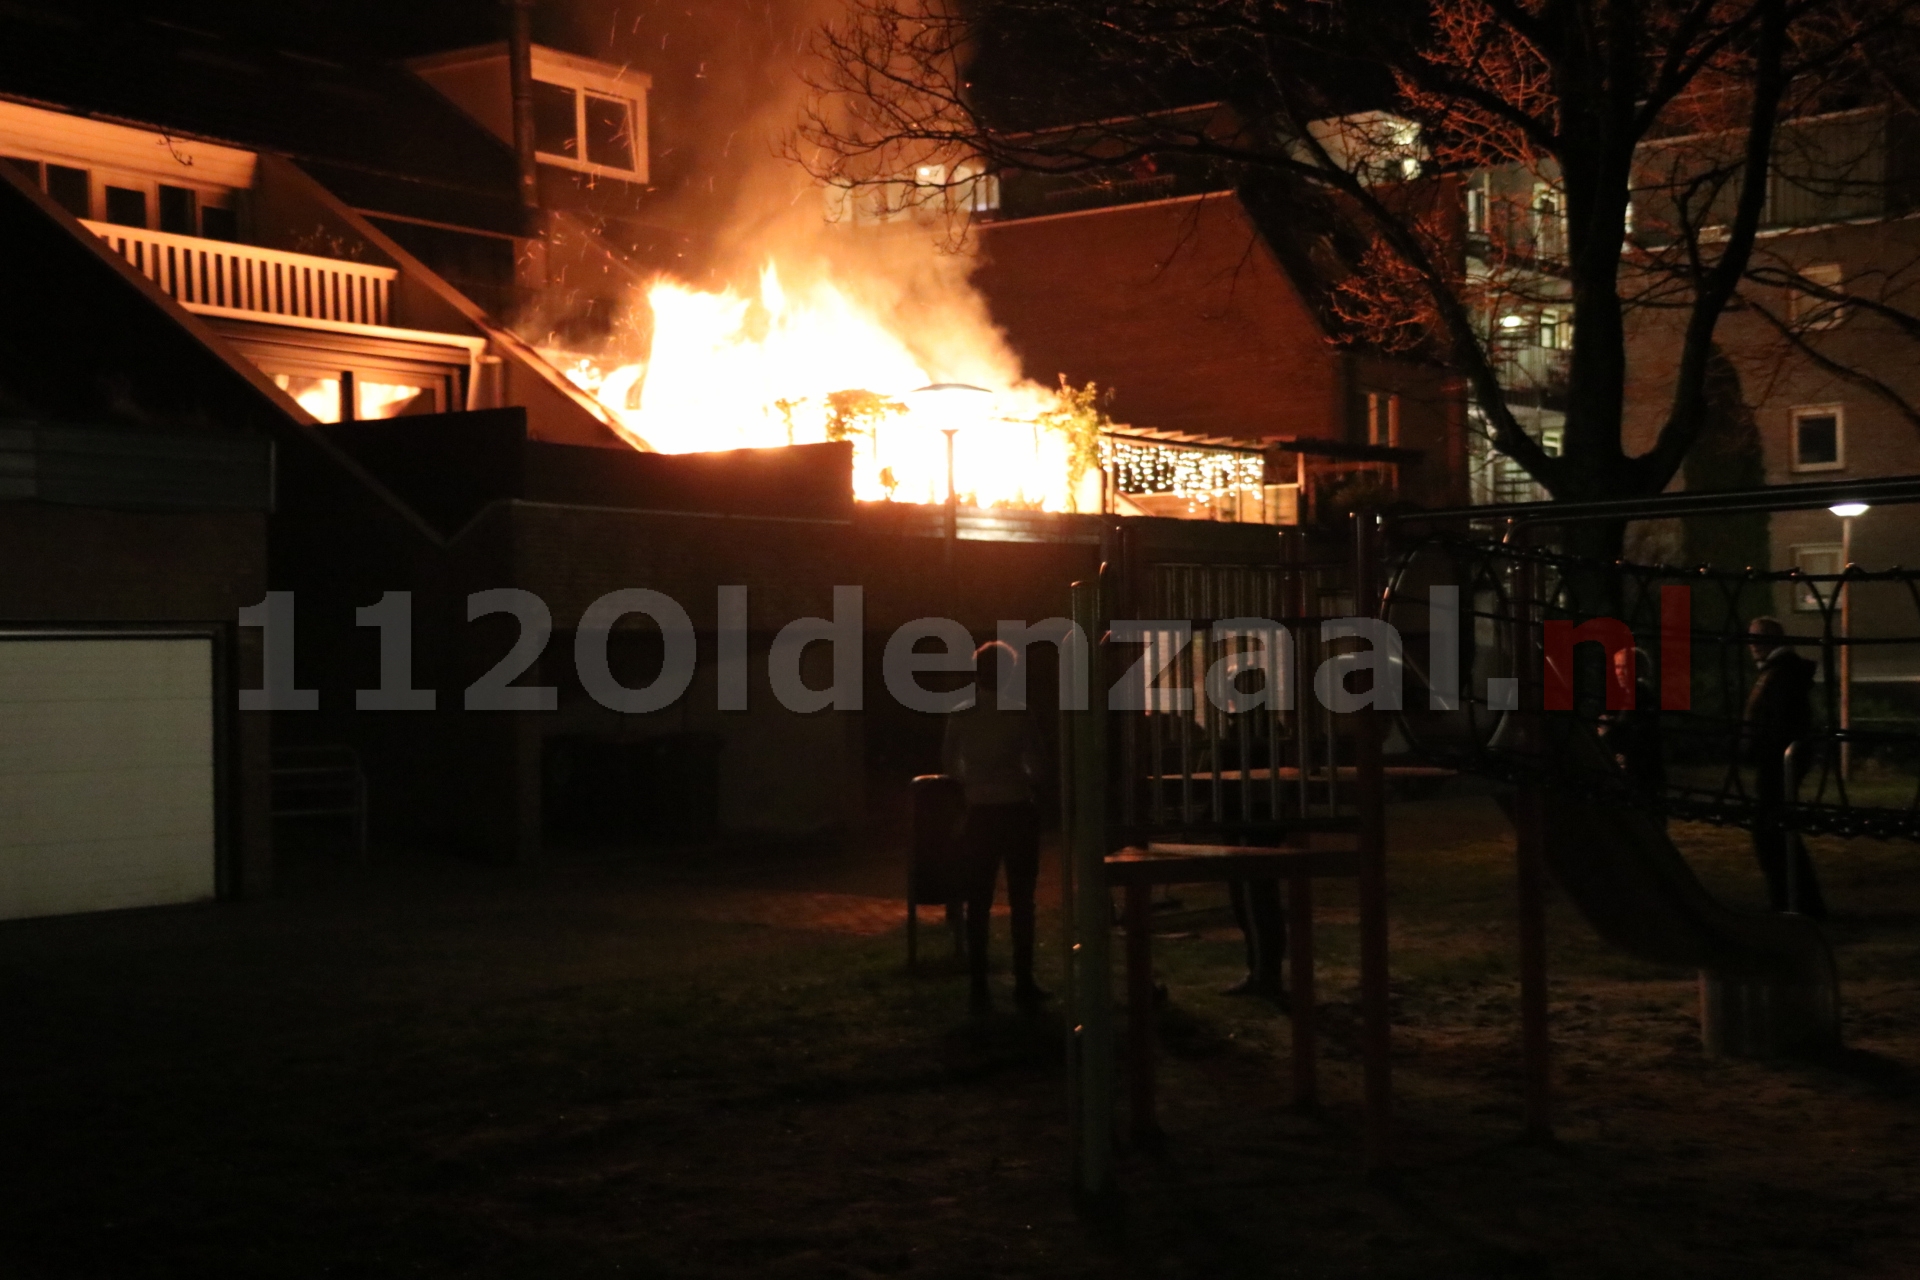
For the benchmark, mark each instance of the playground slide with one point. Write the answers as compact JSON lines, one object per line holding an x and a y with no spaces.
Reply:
{"x":1768,"y":983}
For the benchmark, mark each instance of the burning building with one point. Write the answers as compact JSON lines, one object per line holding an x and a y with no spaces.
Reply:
{"x":438,"y":346}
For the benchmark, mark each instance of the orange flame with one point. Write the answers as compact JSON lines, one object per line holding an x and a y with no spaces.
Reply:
{"x":726,"y":371}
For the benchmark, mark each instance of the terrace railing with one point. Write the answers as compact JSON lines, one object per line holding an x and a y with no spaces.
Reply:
{"x":250,"y":281}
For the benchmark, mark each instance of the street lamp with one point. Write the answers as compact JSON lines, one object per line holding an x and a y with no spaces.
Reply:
{"x":1846,"y":511}
{"x":951,"y":407}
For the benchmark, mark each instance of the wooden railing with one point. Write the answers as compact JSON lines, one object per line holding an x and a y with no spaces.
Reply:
{"x":247,"y":280}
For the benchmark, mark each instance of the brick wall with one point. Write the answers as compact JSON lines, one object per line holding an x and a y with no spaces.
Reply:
{"x":1178,"y":306}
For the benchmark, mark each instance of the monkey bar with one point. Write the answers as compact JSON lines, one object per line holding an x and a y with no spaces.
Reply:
{"x":1767,"y":981}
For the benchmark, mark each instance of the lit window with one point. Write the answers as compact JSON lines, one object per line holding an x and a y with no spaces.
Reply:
{"x":318,"y":396}
{"x":1554,"y":331}
{"x":1821,"y":559}
{"x":390,"y":399}
{"x":364,"y":395}
{"x":1819,"y":438}
{"x":1477,"y":208}
{"x":1383,"y":418}
{"x":986,"y":193}
{"x":1549,"y":221}
{"x":973,"y":191}
{"x":1810,"y":310}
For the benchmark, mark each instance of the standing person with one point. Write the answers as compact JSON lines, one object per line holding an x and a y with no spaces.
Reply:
{"x":1778,"y":714}
{"x":992,"y":751}
{"x":1263,"y":926}
{"x":1633,"y":735}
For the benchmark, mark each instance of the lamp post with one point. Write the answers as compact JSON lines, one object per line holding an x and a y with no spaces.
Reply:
{"x":953,"y":406}
{"x":1846,"y":511}
{"x":953,"y":496}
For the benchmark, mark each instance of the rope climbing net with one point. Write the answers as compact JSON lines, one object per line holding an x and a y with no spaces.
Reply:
{"x":1522,"y":625}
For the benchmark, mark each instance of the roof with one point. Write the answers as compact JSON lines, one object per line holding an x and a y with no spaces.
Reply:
{"x":1178,"y":306}
{"x":1313,"y":447}
{"x":380,"y":137}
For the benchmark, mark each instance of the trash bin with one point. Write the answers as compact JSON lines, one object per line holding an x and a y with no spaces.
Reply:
{"x":936,"y":861}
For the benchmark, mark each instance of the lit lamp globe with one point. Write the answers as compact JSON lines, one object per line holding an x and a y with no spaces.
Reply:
{"x":950,"y":408}
{"x":1848,"y":510}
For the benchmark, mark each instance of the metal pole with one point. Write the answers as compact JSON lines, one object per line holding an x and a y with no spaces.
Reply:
{"x":520,"y":80}
{"x":1376,"y":1045}
{"x":1530,"y":871}
{"x":1140,"y":1030}
{"x":1846,"y":648}
{"x":1090,"y":1010}
{"x":953,"y":498}
{"x":1300,"y":992}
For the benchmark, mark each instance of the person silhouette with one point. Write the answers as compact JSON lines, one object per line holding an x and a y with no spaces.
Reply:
{"x":992,"y":750}
{"x":1778,"y":714}
{"x":1632,"y":735}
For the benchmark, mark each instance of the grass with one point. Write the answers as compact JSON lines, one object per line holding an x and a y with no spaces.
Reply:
{"x":584,"y":1069}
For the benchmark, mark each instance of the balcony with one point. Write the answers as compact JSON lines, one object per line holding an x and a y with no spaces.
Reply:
{"x":321,"y":328}
{"x":215,"y":277}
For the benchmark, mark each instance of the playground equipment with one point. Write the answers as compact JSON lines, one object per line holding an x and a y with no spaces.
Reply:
{"x":1162,"y":785}
{"x":1166,"y":785}
{"x":1768,"y":982}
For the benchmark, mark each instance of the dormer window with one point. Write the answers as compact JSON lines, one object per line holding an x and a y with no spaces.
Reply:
{"x":588,"y":116}
{"x":581,"y":128}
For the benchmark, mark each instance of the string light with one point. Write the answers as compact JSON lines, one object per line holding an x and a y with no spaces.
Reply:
{"x":1194,"y":472}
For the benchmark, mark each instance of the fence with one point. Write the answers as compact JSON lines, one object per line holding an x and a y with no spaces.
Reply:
{"x":247,"y":280}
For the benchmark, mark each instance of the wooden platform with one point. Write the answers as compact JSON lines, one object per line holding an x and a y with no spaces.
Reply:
{"x":1137,"y":870}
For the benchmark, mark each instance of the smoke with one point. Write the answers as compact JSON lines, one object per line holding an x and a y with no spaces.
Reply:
{"x":730,"y":84}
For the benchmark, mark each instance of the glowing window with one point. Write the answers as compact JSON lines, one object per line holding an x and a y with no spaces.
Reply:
{"x":1819,"y":559}
{"x":318,"y":396}
{"x":373,"y":399}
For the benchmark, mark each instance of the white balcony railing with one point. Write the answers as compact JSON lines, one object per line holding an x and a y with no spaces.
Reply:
{"x":247,"y":280}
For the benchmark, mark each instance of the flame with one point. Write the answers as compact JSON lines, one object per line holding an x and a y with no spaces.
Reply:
{"x":809,"y":364}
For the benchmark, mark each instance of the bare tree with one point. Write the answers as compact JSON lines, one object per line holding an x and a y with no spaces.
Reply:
{"x":1386,"y":113}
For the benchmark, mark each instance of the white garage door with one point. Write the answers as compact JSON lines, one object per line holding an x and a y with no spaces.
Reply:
{"x":106,"y":773}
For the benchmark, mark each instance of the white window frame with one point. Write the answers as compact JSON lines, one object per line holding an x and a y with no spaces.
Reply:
{"x":124,"y":156}
{"x":1838,"y":412}
{"x":1547,"y":219}
{"x":100,"y":177}
{"x":1554,"y":329}
{"x":1824,"y":314}
{"x":1812,"y":597}
{"x":584,"y":78}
